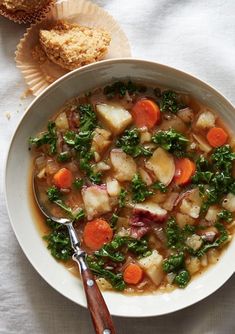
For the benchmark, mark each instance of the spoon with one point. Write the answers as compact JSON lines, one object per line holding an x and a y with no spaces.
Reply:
{"x":99,"y":312}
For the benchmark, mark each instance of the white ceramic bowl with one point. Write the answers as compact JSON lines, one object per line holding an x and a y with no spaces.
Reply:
{"x":17,"y":191}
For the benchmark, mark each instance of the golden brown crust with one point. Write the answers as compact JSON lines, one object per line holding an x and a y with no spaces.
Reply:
{"x":72,"y":46}
{"x":25,"y":11}
{"x":25,"y":5}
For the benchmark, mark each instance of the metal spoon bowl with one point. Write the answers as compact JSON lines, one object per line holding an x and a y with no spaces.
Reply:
{"x":99,"y":312}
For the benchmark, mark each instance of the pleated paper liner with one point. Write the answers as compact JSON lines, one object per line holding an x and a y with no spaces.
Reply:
{"x":21,"y":16}
{"x":39,"y":72}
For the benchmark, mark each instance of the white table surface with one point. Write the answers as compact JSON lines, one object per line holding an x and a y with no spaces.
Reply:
{"x":195,"y":36}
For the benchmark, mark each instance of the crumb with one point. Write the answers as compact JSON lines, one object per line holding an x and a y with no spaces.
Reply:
{"x":25,"y":94}
{"x":38,"y":54}
{"x":72,"y":46}
{"x":49,"y":79}
{"x":8,"y":115}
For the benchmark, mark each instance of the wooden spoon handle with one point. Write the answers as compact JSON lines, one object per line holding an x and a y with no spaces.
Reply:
{"x":99,"y":312}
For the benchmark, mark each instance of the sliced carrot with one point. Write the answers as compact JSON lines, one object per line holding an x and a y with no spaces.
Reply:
{"x":217,"y":137}
{"x":97,"y":233}
{"x":184,"y":170}
{"x":63,"y":178}
{"x":132,"y":274}
{"x":146,"y":113}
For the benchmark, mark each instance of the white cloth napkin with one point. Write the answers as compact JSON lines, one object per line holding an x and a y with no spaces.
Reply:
{"x":195,"y":36}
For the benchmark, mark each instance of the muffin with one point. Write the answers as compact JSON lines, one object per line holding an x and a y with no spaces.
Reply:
{"x":23,"y":11}
{"x":71,"y":46}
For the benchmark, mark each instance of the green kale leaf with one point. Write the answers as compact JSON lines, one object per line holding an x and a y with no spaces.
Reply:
{"x":120,"y":88}
{"x":170,"y":102}
{"x":173,"y":262}
{"x":88,"y":118}
{"x":182,"y":278}
{"x":129,"y":142}
{"x":58,"y":241}
{"x":171,"y":141}
{"x":139,"y":189}
{"x":122,"y":198}
{"x":115,"y":279}
{"x":48,"y":137}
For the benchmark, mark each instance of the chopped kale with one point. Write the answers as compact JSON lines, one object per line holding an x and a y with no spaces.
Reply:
{"x":64,"y":157}
{"x":58,"y":241}
{"x":53,"y":225}
{"x":223,"y":238}
{"x":82,"y":142}
{"x":79,"y":141}
{"x":113,"y":220}
{"x":138,"y":246}
{"x":85,"y":165}
{"x":202,"y":177}
{"x":106,"y":253}
{"x":171,"y":141}
{"x":176,"y":264}
{"x":203,"y":164}
{"x":170,"y":102}
{"x":222,"y":158}
{"x":129,"y":142}
{"x":48,"y":137}
{"x":78,"y":183}
{"x":115,"y":251}
{"x":54,"y":195}
{"x":120,"y":88}
{"x":115,"y":279}
{"x":88,"y":118}
{"x":177,"y":236}
{"x":173,"y":262}
{"x":225,"y":216}
{"x":215,"y":179}
{"x":182,"y":278}
{"x":139,"y":189}
{"x":122,"y":198}
{"x":159,"y":186}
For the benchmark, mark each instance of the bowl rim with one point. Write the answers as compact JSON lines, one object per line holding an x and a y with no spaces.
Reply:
{"x":45,"y":92}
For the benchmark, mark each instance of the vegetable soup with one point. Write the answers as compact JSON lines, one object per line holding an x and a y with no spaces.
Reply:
{"x":146,"y":174}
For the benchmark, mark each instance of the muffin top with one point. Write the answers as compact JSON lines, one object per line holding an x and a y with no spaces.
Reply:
{"x":23,"y":5}
{"x":72,"y":46}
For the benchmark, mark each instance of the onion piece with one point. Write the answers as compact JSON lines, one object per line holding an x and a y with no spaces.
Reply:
{"x":40,"y":162}
{"x":52,"y":167}
{"x":203,"y":145}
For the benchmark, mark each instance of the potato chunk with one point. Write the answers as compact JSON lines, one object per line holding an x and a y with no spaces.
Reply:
{"x":115,"y":117}
{"x":153,"y":267}
{"x":183,"y":220}
{"x":150,"y":210}
{"x":61,"y":121}
{"x":211,"y":215}
{"x":194,"y":241}
{"x":96,"y":201}
{"x":113,"y":187}
{"x":206,"y":120}
{"x":191,"y":203}
{"x":124,"y":165}
{"x":162,"y":164}
{"x":101,"y":140}
{"x":193,"y":265}
{"x":229,"y":202}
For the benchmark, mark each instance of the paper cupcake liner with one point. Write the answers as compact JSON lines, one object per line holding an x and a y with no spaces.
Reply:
{"x":38,"y":74}
{"x":21,"y":16}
